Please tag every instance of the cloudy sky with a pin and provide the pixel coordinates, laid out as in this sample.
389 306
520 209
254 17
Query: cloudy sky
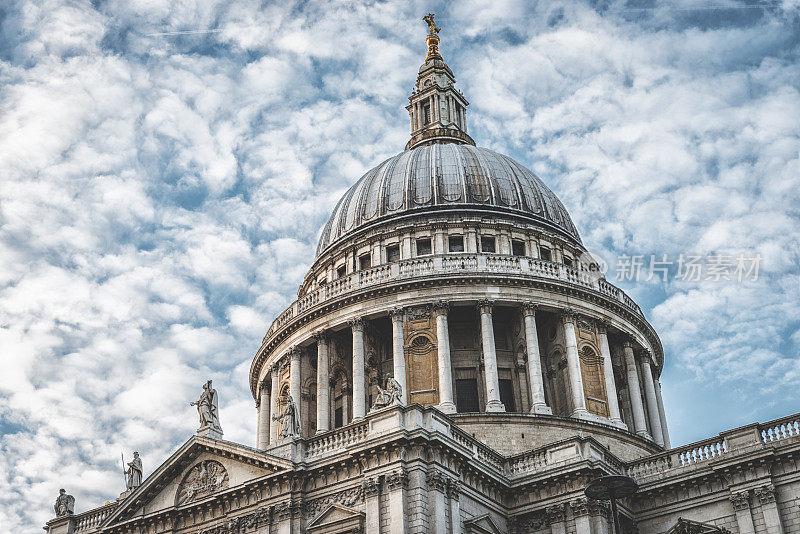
165 168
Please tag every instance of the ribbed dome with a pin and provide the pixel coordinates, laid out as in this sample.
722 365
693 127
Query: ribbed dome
442 176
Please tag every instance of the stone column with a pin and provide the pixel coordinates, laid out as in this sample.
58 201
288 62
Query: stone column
294 376
599 512
556 519
323 383
493 403
453 492
652 403
744 517
634 391
396 483
437 502
440 309
574 367
769 508
273 427
398 351
372 487
608 375
580 511
264 417
359 379
662 415
535 379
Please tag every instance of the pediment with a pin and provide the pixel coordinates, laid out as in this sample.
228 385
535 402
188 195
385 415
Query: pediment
337 518
200 468
687 526
481 525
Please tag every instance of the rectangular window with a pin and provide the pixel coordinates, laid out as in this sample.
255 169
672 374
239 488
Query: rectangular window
517 247
364 261
426 114
341 271
546 254
487 243
424 246
467 396
393 253
338 418
455 243
507 394
322 281
567 261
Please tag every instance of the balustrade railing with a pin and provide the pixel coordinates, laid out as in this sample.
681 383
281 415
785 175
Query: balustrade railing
448 264
336 439
780 429
93 518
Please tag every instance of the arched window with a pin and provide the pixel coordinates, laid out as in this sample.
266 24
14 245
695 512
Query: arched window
594 387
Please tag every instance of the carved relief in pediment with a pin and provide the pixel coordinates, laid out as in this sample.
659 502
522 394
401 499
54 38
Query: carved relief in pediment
203 479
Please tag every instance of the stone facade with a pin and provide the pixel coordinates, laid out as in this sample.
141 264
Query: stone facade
524 375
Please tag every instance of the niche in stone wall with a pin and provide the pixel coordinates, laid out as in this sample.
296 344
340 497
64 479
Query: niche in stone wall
422 370
594 388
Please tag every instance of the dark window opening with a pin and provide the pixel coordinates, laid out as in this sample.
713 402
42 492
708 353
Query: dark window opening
364 262
517 247
341 271
338 418
567 261
546 255
467 395
455 243
393 253
424 247
426 114
507 394
487 243
322 281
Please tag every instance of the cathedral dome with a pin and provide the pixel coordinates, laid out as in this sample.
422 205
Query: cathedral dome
449 176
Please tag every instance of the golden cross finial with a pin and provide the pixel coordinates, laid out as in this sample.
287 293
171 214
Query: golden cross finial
432 27
432 39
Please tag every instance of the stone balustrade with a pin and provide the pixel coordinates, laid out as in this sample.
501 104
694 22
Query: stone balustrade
336 440
697 455
87 521
450 264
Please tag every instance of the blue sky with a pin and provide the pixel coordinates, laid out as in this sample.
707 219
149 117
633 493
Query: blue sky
161 194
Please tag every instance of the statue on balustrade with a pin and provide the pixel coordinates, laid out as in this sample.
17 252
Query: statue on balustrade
289 419
134 472
208 408
65 504
389 394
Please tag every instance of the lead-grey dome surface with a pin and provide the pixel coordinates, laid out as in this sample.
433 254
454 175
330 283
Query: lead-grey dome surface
438 176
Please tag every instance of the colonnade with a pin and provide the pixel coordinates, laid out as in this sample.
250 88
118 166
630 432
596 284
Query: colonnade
635 365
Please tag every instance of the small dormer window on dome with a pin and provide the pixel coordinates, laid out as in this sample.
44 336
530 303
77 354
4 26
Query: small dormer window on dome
438 110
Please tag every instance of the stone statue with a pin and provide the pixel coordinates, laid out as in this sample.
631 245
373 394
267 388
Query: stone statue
389 394
134 472
208 408
65 504
432 27
289 419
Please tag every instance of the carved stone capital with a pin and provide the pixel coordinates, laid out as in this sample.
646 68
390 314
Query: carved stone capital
529 308
453 488
568 315
602 325
441 307
371 486
397 479
597 507
397 314
357 324
765 494
436 481
740 500
321 336
579 506
294 352
485 306
555 514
